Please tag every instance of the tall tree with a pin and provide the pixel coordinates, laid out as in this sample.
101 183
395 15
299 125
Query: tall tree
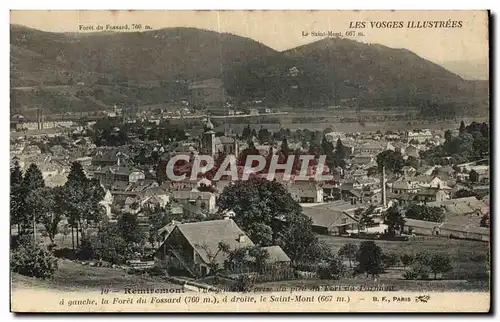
80 201
263 135
285 150
247 132
40 204
314 145
462 129
32 181
392 161
341 153
250 150
447 136
76 173
366 217
270 204
17 200
369 257
328 150
158 217
394 219
33 178
129 229
261 234
50 214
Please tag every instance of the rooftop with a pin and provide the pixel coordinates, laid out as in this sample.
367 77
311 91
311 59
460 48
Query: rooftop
205 237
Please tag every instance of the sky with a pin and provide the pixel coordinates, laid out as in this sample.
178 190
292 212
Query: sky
283 30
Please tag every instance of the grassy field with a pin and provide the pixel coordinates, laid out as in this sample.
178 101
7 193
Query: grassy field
74 276
460 252
382 284
467 274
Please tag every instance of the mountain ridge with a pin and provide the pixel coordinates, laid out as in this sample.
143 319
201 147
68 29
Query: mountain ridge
331 69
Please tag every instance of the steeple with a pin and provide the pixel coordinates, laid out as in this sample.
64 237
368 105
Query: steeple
208 126
208 138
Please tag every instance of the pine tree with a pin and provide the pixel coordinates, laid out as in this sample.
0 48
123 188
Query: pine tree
33 179
247 131
462 128
17 200
285 150
80 201
314 147
326 146
76 173
447 136
16 174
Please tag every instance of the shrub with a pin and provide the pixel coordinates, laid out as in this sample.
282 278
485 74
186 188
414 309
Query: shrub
85 251
479 258
245 283
323 272
332 270
390 259
422 271
407 259
426 263
306 266
424 258
33 260
157 270
439 264
410 275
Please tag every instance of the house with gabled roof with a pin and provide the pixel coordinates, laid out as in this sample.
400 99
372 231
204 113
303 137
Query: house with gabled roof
118 175
194 247
445 229
463 206
333 218
200 200
431 194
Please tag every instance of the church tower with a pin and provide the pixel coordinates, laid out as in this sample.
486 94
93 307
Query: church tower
208 139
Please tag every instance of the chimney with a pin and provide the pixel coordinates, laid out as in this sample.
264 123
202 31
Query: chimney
242 238
229 214
384 194
38 119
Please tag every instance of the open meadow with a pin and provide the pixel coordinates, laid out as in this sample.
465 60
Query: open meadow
73 276
469 258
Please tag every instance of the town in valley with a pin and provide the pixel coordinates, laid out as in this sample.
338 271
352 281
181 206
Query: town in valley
406 206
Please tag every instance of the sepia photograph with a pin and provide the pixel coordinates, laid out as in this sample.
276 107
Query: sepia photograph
250 161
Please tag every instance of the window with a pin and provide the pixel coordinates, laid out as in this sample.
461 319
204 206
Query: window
344 220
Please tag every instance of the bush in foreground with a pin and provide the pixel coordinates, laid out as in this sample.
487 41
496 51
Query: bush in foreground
33 260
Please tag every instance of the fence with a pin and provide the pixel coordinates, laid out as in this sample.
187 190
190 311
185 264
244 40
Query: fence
275 272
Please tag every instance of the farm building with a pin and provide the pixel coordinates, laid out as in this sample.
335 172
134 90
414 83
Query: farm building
429 228
462 206
193 246
334 218
421 227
